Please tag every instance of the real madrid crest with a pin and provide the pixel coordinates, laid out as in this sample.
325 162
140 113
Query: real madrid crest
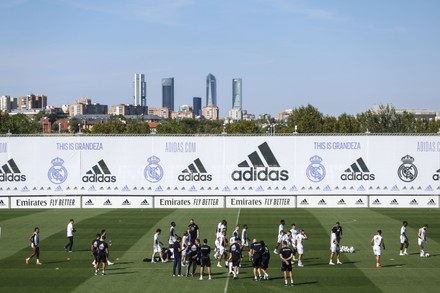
315 171
153 172
57 174
407 171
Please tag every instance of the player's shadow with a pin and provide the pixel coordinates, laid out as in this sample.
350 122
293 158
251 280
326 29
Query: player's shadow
306 283
121 273
58 261
123 263
393 265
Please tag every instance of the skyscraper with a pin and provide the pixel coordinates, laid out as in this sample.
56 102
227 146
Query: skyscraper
168 93
236 94
139 90
211 90
197 106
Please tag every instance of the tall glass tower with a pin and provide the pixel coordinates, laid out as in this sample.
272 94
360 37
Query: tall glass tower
211 90
197 106
236 94
139 90
168 93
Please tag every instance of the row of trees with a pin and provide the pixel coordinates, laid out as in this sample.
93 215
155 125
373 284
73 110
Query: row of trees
304 119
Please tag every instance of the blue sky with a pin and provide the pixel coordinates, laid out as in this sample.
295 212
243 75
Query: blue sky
340 56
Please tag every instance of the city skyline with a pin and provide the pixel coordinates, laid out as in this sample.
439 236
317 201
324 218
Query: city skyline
341 57
168 93
211 90
139 90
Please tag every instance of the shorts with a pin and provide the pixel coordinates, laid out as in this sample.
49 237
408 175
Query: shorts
264 262
334 248
300 249
222 249
245 243
421 242
376 250
205 261
101 258
286 267
403 239
256 260
235 262
280 238
157 248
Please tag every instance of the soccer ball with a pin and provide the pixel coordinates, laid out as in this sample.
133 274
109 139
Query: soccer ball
427 254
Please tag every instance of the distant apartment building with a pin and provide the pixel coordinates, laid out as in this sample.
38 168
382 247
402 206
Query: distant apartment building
128 110
210 112
283 116
32 102
139 90
8 103
211 90
163 112
168 93
235 114
84 106
197 106
185 111
421 114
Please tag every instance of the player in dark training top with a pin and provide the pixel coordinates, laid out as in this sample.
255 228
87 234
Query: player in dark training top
286 255
205 259
193 231
256 250
94 248
265 257
235 256
102 255
192 255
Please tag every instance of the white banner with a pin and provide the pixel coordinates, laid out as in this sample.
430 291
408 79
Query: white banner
261 201
220 165
111 202
49 202
4 202
189 202
404 201
342 201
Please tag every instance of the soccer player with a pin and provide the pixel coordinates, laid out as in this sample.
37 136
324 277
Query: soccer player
422 239
334 248
192 255
294 232
235 256
338 231
157 246
236 233
280 235
300 246
377 242
205 260
221 247
286 255
103 236
193 231
94 248
102 253
70 231
222 225
403 239
184 247
256 250
245 239
177 250
172 238
265 258
35 244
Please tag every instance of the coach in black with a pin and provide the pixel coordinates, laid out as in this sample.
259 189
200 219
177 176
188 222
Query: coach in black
205 259
286 255
256 250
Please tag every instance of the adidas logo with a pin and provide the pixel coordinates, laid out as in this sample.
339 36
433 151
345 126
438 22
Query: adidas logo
195 172
358 171
99 173
436 176
126 203
253 173
394 202
89 203
322 202
432 202
10 172
304 202
2 203
107 203
341 202
145 203
359 202
376 202
414 202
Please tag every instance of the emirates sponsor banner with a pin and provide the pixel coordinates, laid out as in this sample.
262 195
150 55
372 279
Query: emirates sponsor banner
219 165
404 201
110 202
341 201
42 202
261 201
4 202
189 202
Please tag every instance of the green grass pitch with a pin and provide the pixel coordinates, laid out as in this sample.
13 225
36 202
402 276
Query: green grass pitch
131 232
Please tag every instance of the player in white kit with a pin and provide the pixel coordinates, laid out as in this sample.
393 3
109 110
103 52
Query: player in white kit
403 239
300 247
280 236
422 239
294 232
334 247
377 242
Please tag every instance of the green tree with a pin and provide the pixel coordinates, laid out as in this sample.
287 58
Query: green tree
243 127
307 119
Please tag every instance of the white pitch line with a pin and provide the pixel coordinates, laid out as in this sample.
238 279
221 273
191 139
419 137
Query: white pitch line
227 279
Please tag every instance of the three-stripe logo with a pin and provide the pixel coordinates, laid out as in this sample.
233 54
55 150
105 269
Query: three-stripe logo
358 171
99 173
196 171
258 170
10 172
